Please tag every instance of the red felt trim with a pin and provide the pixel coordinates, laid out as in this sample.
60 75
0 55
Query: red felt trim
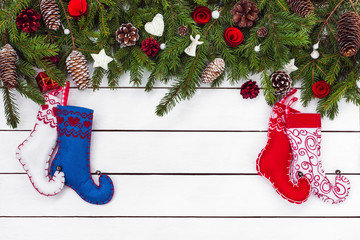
303 120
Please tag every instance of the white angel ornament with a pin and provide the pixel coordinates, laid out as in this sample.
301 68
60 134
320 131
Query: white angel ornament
191 49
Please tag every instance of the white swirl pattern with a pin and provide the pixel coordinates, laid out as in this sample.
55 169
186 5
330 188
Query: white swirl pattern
306 144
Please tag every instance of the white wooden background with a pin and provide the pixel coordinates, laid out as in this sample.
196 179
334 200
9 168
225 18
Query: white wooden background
189 175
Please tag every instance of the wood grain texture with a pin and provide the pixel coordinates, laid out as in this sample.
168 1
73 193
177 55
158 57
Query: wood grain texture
180 229
188 175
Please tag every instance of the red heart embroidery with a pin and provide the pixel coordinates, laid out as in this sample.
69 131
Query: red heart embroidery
77 8
44 107
87 124
73 121
60 120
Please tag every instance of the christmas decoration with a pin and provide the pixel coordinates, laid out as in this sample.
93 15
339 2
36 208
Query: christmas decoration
321 89
233 36
101 59
202 15
289 36
8 58
349 33
274 159
315 53
77 8
290 67
213 70
156 26
301 7
191 49
262 32
304 133
45 83
183 31
245 13
281 82
249 90
215 14
35 152
50 14
74 137
28 20
162 46
77 67
127 35
150 47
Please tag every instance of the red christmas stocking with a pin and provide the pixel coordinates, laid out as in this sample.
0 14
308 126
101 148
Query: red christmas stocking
304 133
275 159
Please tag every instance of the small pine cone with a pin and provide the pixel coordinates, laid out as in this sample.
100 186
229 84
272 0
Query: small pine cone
28 20
127 35
50 13
183 31
281 82
213 70
262 32
8 59
349 33
301 7
77 67
249 90
245 13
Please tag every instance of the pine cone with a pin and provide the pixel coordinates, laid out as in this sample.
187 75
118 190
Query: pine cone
301 7
262 32
245 13
127 35
8 59
213 70
249 90
281 82
183 31
77 67
150 47
50 13
28 20
349 33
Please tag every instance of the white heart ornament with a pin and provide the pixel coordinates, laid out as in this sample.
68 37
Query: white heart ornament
156 26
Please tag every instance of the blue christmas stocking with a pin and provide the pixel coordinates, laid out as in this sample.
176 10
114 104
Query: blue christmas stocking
74 137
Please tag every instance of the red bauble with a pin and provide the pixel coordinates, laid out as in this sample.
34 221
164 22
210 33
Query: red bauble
233 36
150 47
54 59
77 8
45 83
249 90
321 89
28 20
202 15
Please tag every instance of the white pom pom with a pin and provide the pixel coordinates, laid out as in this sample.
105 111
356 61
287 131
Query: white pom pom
162 46
257 48
215 14
315 54
66 31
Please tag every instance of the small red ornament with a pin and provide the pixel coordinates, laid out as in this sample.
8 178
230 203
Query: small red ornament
150 47
233 36
249 90
45 83
321 89
202 15
28 20
54 59
77 8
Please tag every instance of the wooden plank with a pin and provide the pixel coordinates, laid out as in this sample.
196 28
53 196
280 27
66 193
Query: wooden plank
180 229
172 196
209 109
188 152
